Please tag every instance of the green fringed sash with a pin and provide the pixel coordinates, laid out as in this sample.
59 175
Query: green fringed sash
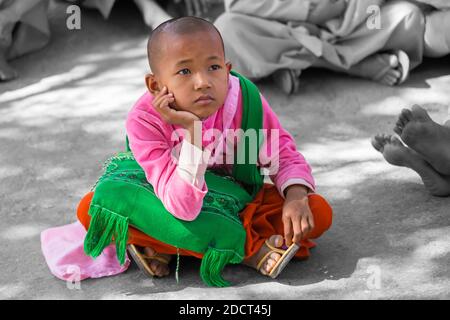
252 118
123 197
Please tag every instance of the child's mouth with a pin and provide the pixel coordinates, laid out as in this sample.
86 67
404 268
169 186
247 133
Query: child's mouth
204 100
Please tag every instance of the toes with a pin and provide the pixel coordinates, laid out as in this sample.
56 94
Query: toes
393 61
389 80
275 256
395 73
391 77
376 144
402 118
395 141
271 262
149 251
159 268
406 116
276 240
379 141
398 130
399 126
385 82
154 265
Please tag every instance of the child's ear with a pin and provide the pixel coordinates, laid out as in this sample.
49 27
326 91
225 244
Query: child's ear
152 83
229 66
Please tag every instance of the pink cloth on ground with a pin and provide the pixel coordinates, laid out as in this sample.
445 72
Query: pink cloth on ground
63 251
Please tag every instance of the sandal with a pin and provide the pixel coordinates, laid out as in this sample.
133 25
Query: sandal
142 260
404 65
286 255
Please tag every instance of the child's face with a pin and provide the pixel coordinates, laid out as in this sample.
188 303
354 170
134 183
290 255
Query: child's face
193 68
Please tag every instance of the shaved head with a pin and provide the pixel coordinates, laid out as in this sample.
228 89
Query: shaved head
183 26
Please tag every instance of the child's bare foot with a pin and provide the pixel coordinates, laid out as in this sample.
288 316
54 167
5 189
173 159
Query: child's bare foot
429 139
397 154
266 267
149 261
160 268
384 68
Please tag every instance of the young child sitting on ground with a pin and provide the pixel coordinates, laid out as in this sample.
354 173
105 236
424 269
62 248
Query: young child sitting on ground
191 92
427 149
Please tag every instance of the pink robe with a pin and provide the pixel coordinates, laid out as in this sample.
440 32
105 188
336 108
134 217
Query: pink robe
158 154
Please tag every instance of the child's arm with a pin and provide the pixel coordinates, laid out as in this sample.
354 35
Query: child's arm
291 174
180 187
287 165
298 220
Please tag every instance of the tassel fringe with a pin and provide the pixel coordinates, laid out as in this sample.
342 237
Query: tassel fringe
105 227
213 263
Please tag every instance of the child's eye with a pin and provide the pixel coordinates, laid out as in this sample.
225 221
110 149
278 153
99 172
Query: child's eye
184 71
215 67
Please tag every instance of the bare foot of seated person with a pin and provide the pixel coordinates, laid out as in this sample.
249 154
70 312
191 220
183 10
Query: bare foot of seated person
398 154
427 149
430 139
390 68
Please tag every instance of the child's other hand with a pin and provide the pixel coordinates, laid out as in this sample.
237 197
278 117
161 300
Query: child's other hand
298 220
163 104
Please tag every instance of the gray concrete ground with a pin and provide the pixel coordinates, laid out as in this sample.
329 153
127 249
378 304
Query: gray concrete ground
65 115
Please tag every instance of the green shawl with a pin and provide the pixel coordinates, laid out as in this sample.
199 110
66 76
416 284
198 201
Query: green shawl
123 197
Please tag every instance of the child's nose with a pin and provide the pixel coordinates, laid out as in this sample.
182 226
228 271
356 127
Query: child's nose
202 81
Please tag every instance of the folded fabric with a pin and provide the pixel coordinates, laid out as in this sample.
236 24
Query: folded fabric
104 6
437 39
31 29
63 251
357 12
438 4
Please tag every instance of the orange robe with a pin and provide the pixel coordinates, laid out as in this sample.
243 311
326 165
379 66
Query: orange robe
261 218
